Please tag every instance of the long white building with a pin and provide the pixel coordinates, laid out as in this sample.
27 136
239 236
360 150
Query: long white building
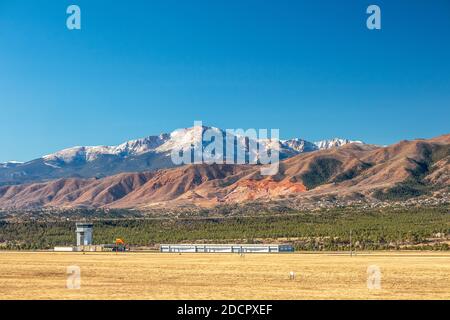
226 248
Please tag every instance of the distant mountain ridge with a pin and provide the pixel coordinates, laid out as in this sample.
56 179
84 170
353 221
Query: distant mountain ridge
352 172
10 164
167 142
91 153
146 154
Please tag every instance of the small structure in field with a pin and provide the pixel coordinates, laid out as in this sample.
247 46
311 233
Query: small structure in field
84 233
226 248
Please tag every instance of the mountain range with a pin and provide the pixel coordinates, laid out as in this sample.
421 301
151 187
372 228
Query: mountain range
146 154
339 170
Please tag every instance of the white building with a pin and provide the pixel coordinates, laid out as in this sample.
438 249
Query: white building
84 234
226 248
64 249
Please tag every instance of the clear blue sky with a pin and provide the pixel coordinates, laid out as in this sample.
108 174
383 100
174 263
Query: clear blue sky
137 68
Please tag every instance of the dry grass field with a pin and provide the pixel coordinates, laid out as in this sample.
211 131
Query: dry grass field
405 275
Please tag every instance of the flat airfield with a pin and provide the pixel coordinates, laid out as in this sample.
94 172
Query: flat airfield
404 275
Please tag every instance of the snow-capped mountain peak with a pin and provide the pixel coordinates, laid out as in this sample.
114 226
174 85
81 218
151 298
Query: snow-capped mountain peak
90 153
150 153
10 164
332 143
299 145
181 139
140 146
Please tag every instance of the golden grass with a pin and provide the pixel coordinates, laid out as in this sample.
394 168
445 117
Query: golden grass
405 275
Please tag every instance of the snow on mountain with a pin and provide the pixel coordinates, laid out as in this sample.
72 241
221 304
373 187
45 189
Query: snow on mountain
10 164
140 146
184 139
201 136
299 145
132 147
332 143
153 153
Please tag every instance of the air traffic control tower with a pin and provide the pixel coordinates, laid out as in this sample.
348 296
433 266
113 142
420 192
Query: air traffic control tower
84 234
